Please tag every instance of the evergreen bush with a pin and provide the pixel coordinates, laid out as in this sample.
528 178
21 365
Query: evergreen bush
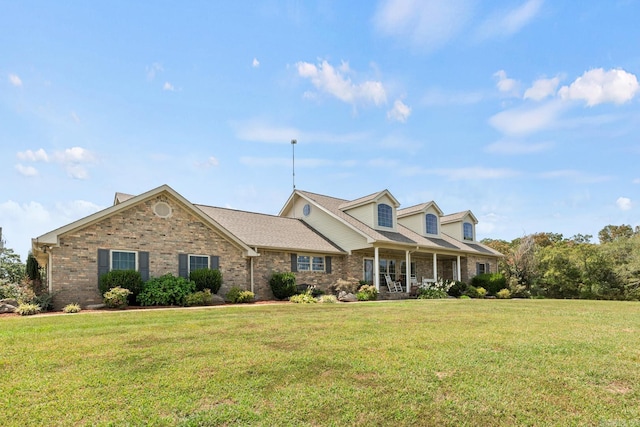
283 285
492 282
126 279
206 278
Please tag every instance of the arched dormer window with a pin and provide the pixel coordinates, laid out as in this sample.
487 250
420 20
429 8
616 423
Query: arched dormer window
467 231
432 224
385 215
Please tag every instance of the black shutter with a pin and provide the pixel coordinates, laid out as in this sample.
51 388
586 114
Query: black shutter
143 265
327 264
477 268
183 265
214 262
103 262
487 268
294 263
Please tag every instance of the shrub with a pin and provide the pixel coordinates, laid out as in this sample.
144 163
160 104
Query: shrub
206 278
199 298
166 290
28 309
471 292
465 297
44 300
238 296
116 297
435 290
283 285
349 285
482 292
492 282
72 308
367 293
126 279
305 298
327 299
504 294
457 289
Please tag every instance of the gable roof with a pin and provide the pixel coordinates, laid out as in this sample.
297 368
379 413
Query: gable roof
422 207
369 199
458 216
268 231
403 236
124 202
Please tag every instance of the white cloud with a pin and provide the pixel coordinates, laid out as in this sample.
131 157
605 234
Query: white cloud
598 86
168 86
523 121
509 22
624 203
284 162
328 79
542 88
208 163
75 117
255 63
74 155
506 85
424 24
574 175
400 112
15 80
459 174
154 69
33 156
636 181
517 147
26 170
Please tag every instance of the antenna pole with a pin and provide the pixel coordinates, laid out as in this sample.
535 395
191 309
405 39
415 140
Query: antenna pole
293 160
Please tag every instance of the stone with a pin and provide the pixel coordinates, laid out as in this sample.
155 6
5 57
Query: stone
95 306
10 301
7 308
347 297
216 300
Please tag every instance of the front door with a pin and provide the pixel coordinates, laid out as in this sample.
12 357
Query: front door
368 270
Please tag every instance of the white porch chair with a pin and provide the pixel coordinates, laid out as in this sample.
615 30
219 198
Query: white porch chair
393 286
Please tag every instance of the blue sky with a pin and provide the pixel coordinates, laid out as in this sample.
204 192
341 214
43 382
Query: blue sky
526 112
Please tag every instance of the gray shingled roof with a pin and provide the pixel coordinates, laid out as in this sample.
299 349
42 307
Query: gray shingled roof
453 217
268 231
412 209
403 235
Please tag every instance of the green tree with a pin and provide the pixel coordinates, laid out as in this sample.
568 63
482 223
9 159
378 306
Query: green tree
11 268
611 233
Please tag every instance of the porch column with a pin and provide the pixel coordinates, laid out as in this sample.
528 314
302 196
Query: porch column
408 270
376 269
458 268
435 267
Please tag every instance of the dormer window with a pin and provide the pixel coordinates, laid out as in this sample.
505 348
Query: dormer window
385 215
432 224
467 231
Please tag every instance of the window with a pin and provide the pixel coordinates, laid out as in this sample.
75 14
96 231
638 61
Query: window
310 263
385 215
198 262
306 210
432 224
121 260
387 266
482 268
403 271
467 231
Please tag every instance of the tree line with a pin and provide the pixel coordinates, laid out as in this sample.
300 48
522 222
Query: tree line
551 266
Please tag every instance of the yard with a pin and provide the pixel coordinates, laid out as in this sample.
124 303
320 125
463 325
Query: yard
415 362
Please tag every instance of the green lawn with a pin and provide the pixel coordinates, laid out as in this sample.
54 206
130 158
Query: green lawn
417 362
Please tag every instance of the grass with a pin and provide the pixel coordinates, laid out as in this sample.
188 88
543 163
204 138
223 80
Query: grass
417 362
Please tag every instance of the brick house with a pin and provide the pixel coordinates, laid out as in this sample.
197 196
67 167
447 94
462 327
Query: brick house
320 238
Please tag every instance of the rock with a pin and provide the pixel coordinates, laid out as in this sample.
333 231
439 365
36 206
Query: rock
7 308
10 301
347 297
216 300
95 306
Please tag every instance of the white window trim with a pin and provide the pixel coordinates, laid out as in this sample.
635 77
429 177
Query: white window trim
199 256
311 257
394 219
111 251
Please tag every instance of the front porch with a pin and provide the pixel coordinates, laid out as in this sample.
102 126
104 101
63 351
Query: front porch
419 266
